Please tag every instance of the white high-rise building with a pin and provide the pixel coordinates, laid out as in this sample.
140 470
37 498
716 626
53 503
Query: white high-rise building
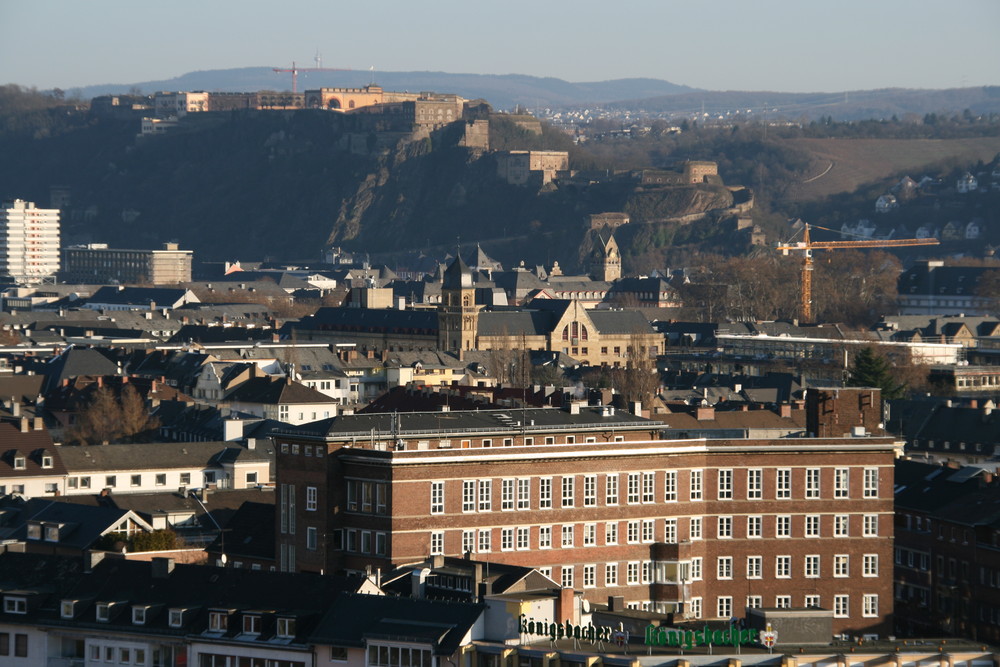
29 241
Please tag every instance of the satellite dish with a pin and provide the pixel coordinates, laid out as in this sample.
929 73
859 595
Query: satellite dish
586 606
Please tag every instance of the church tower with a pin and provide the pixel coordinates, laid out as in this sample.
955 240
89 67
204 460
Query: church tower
458 316
606 260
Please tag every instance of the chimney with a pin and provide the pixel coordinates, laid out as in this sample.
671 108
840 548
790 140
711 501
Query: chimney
232 430
785 410
418 583
24 425
973 403
15 407
565 608
91 559
704 413
437 561
616 603
39 424
161 567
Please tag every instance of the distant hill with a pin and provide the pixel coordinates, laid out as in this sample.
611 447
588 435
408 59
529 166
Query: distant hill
502 91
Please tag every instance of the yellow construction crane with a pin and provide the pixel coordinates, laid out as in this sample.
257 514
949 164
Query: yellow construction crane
806 246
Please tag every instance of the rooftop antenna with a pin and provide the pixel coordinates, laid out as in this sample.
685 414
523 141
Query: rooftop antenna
372 70
318 59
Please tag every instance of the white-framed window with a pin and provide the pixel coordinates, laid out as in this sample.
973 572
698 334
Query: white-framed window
469 495
755 526
755 483
437 542
568 490
841 606
102 612
16 605
725 527
694 605
648 530
589 576
782 567
632 573
311 538
841 565
841 525
589 534
755 601
468 541
524 493
670 486
632 534
545 493
869 605
611 532
507 495
218 621
648 487
611 489
437 497
632 492
567 536
545 571
286 627
611 574
589 490
176 618
812 483
725 484
545 537
311 498
783 526
783 483
696 568
523 538
755 567
841 482
66 608
670 531
871 483
694 528
811 566
869 565
870 525
566 576
696 489
724 567
506 539
485 495
783 601
812 601
485 540
251 624
812 528
724 606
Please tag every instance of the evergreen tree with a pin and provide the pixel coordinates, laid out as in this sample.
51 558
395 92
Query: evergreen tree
873 370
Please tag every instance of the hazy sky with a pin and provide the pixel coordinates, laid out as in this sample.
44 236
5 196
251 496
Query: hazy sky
780 45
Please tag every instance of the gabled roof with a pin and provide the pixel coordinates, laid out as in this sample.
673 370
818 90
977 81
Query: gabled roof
276 391
157 456
80 525
139 296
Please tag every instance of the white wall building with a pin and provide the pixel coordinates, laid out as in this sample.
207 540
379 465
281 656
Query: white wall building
29 241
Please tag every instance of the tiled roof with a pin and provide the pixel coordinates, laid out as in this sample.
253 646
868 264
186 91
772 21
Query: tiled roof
155 456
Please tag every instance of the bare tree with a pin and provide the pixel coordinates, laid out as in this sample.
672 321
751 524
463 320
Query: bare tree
135 417
100 422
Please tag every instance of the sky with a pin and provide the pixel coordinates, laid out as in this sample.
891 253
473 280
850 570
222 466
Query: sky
765 45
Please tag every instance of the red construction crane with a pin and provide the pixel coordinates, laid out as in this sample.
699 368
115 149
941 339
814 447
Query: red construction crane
318 68
807 246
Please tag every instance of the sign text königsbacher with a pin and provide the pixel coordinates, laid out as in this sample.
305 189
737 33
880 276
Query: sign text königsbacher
663 636
568 630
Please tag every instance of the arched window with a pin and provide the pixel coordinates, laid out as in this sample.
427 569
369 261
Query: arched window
565 335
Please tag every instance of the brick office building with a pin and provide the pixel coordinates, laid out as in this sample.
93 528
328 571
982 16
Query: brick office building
599 502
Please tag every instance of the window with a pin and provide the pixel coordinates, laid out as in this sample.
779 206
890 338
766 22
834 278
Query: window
176 618
670 531
394 656
755 483
485 495
869 565
110 481
218 621
311 495
841 606
589 534
632 573
632 534
812 525
783 483
567 536
783 601
136 480
724 606
161 479
589 576
611 532
695 607
755 567
524 494
66 609
841 565
755 601
725 484
545 493
311 538
186 476
611 489
632 494
870 525
506 539
566 576
724 567
648 530
545 537
696 568
812 601
20 462
811 566
46 461
783 526
251 624
725 527
523 538
755 525
286 627
782 567
648 484
611 574
871 483
138 615
437 542
468 541
13 605
869 605
841 482
670 486
812 483
589 490
694 528
338 654
102 611
85 482
696 484
841 525
507 495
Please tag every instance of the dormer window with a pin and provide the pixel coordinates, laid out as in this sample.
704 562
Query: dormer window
13 605
51 533
138 615
66 608
176 618
286 628
251 624
103 612
20 462
218 621
34 531
46 461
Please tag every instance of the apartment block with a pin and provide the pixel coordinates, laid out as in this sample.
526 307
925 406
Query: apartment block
29 241
97 263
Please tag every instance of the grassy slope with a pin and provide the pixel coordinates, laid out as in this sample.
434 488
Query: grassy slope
860 161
